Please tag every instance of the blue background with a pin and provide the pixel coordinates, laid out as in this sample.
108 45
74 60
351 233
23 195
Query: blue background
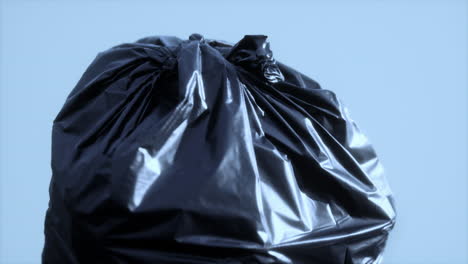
400 67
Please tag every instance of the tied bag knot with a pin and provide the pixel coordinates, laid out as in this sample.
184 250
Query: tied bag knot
253 53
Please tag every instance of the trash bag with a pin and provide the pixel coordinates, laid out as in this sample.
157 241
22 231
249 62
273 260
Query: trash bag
203 151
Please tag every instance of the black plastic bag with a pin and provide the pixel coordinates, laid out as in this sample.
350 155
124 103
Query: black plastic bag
199 151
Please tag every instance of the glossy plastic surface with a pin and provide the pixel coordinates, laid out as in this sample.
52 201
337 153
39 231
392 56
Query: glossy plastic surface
201 151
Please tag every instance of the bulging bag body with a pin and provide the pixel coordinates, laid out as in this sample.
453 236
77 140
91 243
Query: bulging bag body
200 151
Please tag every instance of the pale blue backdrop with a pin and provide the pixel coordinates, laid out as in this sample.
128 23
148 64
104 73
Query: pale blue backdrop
400 67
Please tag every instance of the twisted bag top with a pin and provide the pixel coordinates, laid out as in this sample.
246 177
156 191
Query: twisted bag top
199 151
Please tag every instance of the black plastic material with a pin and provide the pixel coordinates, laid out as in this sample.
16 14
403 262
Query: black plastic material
200 151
